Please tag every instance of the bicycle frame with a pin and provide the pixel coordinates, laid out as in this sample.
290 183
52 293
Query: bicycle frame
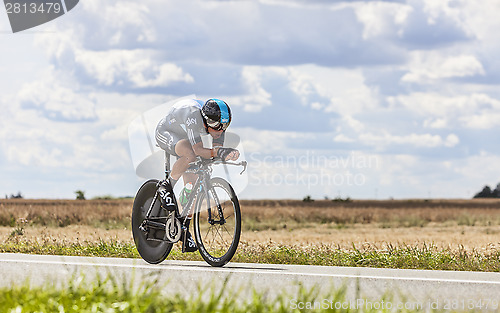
203 170
200 185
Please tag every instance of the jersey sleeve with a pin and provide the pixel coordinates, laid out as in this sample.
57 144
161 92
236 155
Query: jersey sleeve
194 127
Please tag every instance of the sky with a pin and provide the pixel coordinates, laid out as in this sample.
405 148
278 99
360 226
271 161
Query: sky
359 99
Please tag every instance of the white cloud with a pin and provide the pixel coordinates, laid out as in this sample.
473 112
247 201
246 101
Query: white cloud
302 84
397 169
381 19
116 67
478 21
343 138
118 120
477 168
35 155
275 140
437 9
343 90
257 97
435 123
353 123
317 106
451 140
416 140
484 120
56 100
472 111
53 125
125 19
426 67
234 32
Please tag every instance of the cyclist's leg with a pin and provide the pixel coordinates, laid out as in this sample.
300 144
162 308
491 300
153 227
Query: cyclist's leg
175 144
167 140
186 155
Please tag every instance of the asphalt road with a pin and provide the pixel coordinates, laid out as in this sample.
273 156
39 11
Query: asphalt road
428 288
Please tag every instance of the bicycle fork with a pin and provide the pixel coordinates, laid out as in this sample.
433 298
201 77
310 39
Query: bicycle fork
211 221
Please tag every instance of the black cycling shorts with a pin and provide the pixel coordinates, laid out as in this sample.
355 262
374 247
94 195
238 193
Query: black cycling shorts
167 140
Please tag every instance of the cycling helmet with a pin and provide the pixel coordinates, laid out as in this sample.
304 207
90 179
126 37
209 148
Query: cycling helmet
217 114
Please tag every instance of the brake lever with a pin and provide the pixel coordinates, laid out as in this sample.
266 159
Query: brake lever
244 164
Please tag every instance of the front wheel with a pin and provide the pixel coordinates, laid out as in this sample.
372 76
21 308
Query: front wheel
150 245
217 223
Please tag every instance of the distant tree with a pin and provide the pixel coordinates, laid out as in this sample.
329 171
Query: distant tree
488 193
104 197
308 199
339 199
18 196
80 195
496 192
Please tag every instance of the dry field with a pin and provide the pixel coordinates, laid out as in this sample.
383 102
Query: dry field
454 224
469 224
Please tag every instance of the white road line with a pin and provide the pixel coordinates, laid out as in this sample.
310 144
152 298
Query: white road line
251 271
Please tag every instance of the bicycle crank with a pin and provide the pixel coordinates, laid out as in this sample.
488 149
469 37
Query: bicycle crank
173 228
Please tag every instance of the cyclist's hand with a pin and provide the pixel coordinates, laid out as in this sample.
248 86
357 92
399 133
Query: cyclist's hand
233 156
227 154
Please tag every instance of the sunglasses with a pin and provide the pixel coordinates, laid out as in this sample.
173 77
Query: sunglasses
217 125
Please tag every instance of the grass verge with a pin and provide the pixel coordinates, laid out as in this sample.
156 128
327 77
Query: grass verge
427 257
109 295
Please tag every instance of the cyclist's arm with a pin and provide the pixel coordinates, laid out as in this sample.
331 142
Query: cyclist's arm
204 152
194 129
228 154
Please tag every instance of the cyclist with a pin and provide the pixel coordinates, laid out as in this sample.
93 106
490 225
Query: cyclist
194 128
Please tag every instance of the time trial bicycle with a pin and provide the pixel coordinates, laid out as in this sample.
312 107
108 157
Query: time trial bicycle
216 215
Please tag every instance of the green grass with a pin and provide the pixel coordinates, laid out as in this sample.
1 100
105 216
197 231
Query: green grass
405 257
111 248
110 295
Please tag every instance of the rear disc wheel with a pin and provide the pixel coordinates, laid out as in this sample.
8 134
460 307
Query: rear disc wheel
150 245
